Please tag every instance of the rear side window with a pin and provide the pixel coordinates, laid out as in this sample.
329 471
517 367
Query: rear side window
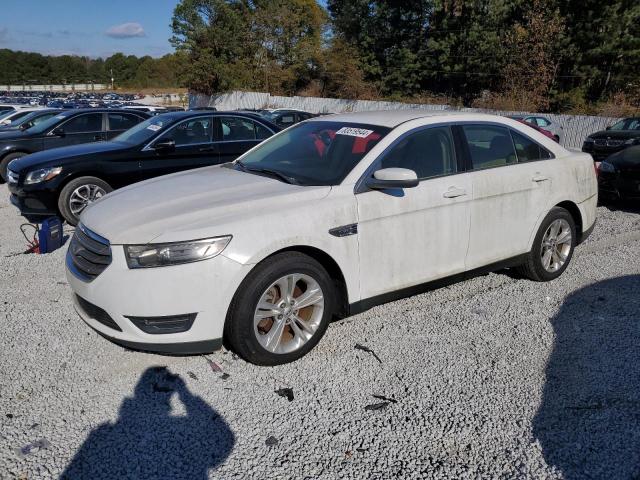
91 122
489 146
286 120
238 129
528 150
122 121
428 152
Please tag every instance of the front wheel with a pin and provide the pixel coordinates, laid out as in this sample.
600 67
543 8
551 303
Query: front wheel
281 310
78 194
552 248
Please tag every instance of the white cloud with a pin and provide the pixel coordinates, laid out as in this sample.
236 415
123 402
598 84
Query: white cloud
126 30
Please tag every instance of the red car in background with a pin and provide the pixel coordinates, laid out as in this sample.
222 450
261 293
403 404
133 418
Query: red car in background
546 133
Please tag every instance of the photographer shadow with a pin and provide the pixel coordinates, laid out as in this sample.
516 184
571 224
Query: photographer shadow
150 441
588 422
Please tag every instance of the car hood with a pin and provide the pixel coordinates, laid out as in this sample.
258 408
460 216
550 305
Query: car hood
54 155
617 134
194 204
626 160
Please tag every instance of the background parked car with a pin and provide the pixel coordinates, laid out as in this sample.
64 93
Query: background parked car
66 180
544 123
619 136
31 119
67 128
284 117
619 174
16 115
546 133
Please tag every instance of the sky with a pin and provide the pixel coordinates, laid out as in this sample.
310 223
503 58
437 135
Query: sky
95 28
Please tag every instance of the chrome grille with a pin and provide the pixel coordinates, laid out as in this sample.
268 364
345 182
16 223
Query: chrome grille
88 255
12 177
608 142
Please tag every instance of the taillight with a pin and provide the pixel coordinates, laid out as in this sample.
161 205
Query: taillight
596 167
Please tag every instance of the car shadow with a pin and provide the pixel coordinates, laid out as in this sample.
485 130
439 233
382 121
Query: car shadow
150 440
588 422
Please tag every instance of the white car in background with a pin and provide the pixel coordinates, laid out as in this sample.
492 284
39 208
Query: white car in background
323 220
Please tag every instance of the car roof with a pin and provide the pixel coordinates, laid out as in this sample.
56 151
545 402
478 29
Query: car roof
393 118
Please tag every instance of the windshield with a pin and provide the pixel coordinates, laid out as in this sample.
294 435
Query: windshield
48 124
315 153
144 130
627 124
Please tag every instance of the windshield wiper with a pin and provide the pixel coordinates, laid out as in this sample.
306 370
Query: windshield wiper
267 171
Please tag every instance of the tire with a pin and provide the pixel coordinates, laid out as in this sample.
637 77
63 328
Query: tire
247 327
69 197
544 268
4 164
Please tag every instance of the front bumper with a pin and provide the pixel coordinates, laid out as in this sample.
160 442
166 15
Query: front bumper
36 202
205 288
617 185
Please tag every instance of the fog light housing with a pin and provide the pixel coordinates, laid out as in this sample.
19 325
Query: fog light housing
163 325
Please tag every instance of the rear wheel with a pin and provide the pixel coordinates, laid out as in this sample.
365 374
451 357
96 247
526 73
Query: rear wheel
78 194
281 310
5 163
552 248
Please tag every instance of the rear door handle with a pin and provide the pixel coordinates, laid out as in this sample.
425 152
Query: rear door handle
207 149
454 192
98 137
540 178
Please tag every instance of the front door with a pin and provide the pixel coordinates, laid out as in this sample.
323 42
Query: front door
193 149
85 128
412 236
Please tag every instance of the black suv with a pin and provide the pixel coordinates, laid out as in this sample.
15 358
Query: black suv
67 128
65 180
619 136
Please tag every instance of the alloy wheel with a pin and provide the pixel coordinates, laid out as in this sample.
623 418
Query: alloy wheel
83 196
288 313
556 245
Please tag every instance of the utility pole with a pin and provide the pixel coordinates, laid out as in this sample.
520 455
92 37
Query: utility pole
112 79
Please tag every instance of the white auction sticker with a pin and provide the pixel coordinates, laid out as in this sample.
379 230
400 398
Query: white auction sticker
154 128
354 132
60 117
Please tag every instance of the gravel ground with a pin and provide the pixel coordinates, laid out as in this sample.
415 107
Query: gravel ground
496 377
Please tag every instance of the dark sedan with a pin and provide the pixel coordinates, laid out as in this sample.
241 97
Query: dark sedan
619 175
66 180
619 136
67 128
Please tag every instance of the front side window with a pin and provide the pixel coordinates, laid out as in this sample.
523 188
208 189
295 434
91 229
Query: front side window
315 152
91 122
528 150
428 152
489 146
195 131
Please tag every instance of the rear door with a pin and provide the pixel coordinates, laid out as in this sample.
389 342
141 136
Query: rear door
235 135
193 148
83 128
119 122
510 183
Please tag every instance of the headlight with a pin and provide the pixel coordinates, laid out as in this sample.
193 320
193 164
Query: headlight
631 141
163 254
607 167
42 175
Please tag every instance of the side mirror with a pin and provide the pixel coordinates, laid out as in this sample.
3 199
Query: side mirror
58 132
165 146
393 178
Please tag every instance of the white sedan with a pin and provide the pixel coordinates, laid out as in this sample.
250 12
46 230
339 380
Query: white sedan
323 220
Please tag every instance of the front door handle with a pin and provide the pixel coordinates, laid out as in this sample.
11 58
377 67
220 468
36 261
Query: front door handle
454 192
540 178
98 137
207 149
